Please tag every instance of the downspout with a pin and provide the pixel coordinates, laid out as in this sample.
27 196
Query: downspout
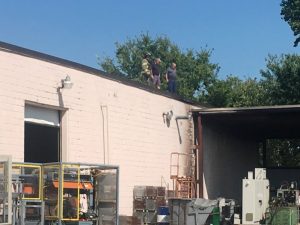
107 136
105 141
181 118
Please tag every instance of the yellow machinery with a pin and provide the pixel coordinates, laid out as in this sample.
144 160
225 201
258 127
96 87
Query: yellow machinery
60 193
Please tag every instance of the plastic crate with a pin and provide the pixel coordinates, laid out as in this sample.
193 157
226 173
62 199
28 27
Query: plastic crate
151 191
139 191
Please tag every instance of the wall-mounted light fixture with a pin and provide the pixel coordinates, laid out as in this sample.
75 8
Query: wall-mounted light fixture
67 83
168 115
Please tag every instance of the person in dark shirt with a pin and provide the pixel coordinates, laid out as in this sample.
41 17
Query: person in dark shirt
171 78
156 72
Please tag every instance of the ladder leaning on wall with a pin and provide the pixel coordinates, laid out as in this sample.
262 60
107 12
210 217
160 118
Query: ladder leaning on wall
182 171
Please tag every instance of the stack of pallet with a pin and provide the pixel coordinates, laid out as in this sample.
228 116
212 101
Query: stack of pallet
146 200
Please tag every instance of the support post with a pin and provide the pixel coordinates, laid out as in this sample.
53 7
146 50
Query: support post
200 157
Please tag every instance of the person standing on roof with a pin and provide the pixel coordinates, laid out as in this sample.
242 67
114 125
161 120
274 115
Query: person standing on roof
171 78
146 69
156 72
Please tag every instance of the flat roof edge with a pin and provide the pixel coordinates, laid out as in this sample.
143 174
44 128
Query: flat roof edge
6 47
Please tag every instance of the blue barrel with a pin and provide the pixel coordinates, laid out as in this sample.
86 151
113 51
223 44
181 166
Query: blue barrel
163 215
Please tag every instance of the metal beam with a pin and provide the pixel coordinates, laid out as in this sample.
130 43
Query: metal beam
200 157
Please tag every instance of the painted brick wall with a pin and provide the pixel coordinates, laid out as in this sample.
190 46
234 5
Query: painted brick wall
105 121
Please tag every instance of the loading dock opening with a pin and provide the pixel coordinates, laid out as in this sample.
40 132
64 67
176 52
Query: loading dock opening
41 135
229 140
41 143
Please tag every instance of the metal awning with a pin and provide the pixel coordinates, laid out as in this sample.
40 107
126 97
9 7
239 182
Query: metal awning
256 109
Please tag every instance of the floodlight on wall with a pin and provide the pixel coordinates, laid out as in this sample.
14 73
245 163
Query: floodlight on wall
67 83
167 116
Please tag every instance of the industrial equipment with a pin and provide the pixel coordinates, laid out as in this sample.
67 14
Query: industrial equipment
288 194
184 211
58 193
5 190
256 193
229 211
199 211
28 206
284 207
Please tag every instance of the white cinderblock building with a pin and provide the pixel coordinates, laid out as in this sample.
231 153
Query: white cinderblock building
101 119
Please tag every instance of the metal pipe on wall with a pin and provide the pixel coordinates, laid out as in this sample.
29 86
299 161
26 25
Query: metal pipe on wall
181 118
105 140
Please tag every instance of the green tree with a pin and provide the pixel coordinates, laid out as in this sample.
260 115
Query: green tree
194 70
283 152
235 92
279 85
281 80
291 14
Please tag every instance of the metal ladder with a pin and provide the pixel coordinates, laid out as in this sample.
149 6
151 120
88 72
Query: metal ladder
182 170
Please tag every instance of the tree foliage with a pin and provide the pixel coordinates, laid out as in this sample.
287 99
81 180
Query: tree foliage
197 76
194 70
279 85
291 14
281 80
283 152
234 92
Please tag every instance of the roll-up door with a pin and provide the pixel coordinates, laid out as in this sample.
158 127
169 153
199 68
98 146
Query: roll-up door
41 115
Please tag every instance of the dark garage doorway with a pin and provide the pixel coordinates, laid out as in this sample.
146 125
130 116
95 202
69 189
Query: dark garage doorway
237 140
41 143
42 135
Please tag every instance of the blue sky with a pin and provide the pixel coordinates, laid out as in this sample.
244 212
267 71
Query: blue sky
242 33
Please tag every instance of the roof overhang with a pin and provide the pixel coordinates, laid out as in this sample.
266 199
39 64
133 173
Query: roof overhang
260 122
249 110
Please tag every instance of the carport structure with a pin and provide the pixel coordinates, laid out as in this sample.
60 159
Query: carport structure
232 141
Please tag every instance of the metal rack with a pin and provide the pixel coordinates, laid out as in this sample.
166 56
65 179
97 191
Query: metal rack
5 190
58 193
81 194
